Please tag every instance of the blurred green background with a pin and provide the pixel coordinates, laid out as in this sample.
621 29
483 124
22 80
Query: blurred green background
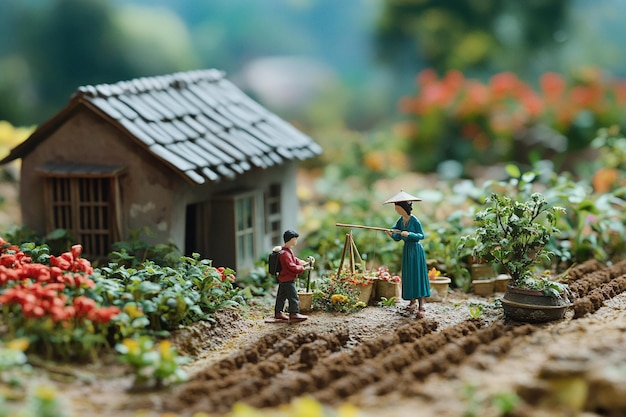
320 62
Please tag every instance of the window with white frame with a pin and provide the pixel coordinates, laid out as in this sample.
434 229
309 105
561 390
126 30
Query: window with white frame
273 214
244 221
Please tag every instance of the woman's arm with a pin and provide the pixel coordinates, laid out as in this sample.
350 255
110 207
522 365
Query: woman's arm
415 232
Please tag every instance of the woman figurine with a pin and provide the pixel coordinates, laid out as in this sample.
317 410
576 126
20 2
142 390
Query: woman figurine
415 285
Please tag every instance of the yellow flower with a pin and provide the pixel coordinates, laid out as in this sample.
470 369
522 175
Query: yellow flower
244 410
165 349
332 207
307 407
45 393
433 273
132 310
338 298
20 344
132 345
347 410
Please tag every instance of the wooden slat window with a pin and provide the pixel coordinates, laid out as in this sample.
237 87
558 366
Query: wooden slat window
84 200
83 206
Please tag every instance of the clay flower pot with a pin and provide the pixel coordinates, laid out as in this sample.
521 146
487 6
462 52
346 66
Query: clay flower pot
387 289
482 271
364 292
501 283
532 306
484 287
438 288
306 301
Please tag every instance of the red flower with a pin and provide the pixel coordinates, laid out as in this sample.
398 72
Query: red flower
76 251
426 77
60 262
84 305
9 260
553 86
70 261
103 315
37 272
8 274
505 84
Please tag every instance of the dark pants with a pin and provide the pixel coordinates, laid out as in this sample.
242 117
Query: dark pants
287 292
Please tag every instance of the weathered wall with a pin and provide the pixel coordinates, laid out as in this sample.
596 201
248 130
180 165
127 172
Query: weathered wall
148 187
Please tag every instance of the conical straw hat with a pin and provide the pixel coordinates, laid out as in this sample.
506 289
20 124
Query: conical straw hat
402 196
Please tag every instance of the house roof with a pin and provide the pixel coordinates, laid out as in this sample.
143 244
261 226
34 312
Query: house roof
197 122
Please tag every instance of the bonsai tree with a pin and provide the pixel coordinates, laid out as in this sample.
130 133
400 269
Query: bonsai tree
514 234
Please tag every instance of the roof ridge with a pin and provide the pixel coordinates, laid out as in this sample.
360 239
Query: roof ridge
152 83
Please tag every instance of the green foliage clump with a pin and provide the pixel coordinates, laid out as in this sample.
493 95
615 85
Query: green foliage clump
514 234
162 298
154 365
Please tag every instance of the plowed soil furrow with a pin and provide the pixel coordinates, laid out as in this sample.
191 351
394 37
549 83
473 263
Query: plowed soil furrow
333 366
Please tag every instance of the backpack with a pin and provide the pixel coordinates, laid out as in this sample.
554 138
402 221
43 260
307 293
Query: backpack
273 263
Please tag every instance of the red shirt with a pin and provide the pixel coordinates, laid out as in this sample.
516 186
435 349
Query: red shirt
290 266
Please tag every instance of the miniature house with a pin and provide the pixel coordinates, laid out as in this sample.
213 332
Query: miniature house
188 156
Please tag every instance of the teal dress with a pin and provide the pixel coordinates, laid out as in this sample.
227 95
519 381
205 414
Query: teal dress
414 269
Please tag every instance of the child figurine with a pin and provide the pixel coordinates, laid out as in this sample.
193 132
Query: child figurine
415 285
290 268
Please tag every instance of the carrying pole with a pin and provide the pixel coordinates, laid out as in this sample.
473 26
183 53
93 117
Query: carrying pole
358 226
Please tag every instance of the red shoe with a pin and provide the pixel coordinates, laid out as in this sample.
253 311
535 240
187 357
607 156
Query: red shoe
297 317
281 316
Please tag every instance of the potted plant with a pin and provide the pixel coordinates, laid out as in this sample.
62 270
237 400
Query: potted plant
438 285
305 295
362 283
387 285
514 235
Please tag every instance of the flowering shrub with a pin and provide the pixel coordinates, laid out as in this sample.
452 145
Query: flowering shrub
336 295
489 116
69 310
48 303
358 277
384 274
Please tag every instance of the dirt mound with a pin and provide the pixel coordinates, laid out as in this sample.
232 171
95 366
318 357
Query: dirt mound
334 366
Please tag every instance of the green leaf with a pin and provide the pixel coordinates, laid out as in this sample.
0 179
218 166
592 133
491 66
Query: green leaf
140 322
147 287
513 171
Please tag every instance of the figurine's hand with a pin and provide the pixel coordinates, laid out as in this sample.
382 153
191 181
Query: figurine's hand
404 233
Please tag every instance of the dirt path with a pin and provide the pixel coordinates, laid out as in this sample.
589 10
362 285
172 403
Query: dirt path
387 363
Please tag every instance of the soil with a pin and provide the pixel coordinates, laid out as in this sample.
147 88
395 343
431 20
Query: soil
387 362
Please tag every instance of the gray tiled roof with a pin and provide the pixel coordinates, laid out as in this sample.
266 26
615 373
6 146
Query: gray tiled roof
199 123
